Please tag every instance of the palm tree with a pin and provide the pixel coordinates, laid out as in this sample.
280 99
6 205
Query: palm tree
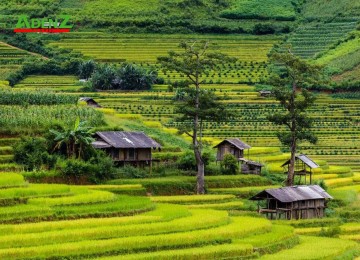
75 139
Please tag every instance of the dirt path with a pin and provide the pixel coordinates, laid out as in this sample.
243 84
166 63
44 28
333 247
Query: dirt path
32 53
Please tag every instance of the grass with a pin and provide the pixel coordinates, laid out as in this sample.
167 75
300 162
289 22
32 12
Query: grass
11 180
205 252
240 227
192 199
194 222
326 248
122 206
244 192
251 9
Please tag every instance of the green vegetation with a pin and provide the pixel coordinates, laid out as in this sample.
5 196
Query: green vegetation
39 98
251 9
30 119
153 214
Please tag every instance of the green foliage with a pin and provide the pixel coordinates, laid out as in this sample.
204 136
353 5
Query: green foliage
37 119
252 9
86 69
97 169
11 180
293 74
187 161
10 97
229 164
131 172
132 77
32 154
330 232
127 77
77 139
326 248
198 105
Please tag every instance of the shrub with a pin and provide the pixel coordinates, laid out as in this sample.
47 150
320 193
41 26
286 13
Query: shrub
229 164
127 77
261 29
131 77
187 161
131 172
75 168
32 154
86 68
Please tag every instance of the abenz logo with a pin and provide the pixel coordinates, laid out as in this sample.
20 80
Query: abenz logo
43 25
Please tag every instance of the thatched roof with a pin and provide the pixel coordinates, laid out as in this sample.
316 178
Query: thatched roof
294 193
236 142
119 139
305 159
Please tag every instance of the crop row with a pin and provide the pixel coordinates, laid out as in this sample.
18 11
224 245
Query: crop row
240 227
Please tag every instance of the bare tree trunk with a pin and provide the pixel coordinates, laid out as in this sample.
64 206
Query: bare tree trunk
291 173
200 178
291 170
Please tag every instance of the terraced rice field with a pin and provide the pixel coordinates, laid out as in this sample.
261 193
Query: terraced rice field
336 120
10 59
251 53
50 83
311 39
60 221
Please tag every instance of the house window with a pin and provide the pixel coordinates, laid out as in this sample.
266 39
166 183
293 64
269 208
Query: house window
131 153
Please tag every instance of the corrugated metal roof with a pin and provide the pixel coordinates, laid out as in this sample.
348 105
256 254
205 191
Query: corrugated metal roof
85 99
294 193
236 142
250 162
119 139
304 159
100 144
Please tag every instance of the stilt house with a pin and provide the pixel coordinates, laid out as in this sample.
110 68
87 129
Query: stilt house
296 202
134 148
237 148
233 146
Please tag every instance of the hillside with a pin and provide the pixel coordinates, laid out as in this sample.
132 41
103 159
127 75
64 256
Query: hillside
60 199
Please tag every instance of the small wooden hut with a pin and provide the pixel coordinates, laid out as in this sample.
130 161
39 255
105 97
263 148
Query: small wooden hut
233 146
303 166
296 202
90 101
250 167
265 93
134 148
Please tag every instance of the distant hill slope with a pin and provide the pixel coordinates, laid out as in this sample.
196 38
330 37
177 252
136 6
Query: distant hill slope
322 30
165 16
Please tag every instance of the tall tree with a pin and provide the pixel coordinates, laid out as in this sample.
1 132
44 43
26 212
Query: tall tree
290 81
197 105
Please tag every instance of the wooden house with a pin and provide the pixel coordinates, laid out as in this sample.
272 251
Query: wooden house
250 167
296 202
265 93
90 101
134 148
233 146
303 166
